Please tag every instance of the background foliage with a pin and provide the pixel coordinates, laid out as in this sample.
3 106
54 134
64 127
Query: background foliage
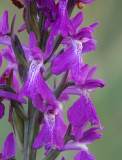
108 57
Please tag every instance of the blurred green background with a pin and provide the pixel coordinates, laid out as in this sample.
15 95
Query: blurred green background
108 57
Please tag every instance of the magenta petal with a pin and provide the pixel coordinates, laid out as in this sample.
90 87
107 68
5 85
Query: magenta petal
0 59
5 40
85 70
77 20
49 46
64 98
84 155
82 111
90 137
93 129
94 24
64 61
38 103
91 72
35 84
22 28
2 110
89 46
43 138
93 83
9 55
9 148
32 40
12 96
4 26
15 82
86 1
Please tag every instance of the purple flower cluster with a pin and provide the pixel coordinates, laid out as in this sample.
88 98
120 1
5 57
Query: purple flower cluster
35 63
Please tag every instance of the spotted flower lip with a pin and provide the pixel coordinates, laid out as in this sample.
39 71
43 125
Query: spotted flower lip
78 44
54 128
9 147
35 83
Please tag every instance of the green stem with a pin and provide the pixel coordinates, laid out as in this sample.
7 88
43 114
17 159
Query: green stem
31 130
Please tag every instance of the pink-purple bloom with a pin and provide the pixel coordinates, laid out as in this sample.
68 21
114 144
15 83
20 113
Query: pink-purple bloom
53 129
44 124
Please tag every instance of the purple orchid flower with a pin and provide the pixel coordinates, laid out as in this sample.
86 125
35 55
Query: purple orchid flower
9 148
4 26
82 111
81 139
53 129
32 51
35 84
86 84
9 56
62 22
78 44
49 8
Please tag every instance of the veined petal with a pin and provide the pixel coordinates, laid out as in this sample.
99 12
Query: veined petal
2 110
9 148
84 155
82 111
